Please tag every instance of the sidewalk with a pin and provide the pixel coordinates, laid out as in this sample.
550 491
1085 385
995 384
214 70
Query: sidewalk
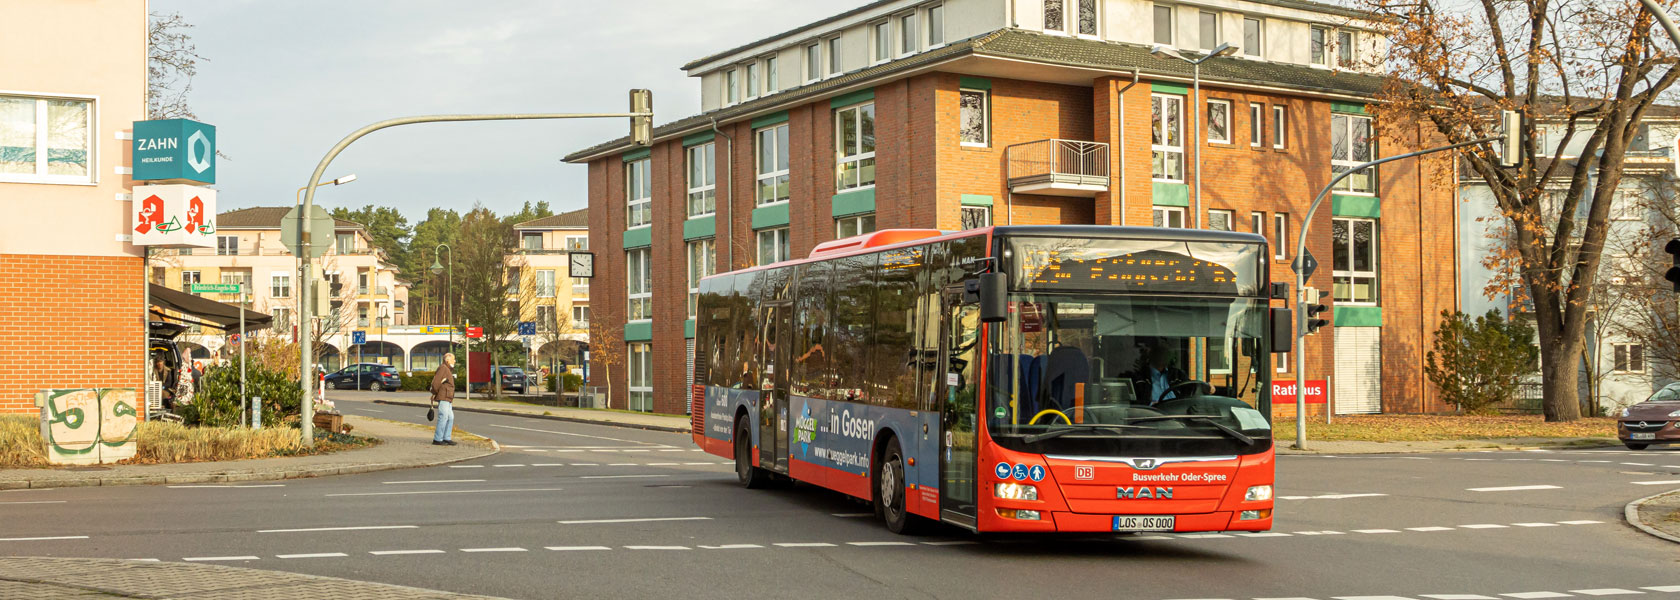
677 424
1658 515
403 446
30 577
1466 445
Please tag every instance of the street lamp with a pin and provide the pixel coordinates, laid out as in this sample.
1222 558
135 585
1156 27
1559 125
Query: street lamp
340 181
437 269
1161 51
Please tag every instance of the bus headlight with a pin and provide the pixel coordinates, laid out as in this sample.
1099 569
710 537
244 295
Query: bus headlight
1024 515
1258 493
1015 491
1255 515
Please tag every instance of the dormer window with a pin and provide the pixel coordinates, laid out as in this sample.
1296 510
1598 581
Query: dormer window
772 79
1208 28
1055 19
1163 24
835 65
813 62
1254 32
936 25
907 34
1345 54
731 87
752 80
883 41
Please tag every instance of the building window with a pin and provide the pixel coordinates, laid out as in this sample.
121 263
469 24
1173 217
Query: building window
1280 236
752 80
813 62
1167 137
702 180
702 262
641 377
976 126
46 139
1354 262
282 319
531 241
580 317
907 34
638 194
854 139
1163 24
1087 17
188 278
547 319
1257 223
1345 50
1054 18
1169 216
936 25
1253 36
577 243
883 41
1282 362
772 152
836 60
239 278
361 315
362 281
975 217
1350 146
1256 123
731 87
1630 358
772 79
1280 132
280 286
1320 37
513 279
1623 207
1219 121
1208 29
640 279
545 283
1221 220
845 227
227 245
772 245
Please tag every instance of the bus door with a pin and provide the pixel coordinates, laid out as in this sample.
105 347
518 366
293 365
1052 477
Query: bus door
777 320
959 361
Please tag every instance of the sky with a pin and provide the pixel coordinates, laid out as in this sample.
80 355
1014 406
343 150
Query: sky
284 81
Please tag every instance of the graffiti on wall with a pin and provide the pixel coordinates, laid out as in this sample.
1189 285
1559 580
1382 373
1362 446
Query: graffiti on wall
88 426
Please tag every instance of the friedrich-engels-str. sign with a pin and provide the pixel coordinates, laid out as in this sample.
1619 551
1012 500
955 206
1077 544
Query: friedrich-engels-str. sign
174 149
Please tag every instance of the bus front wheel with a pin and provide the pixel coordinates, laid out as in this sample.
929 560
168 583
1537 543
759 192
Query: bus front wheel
751 477
889 490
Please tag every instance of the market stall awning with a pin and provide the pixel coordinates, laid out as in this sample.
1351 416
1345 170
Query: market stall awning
204 311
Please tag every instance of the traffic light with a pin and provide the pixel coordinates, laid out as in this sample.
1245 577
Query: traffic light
1318 306
641 127
1673 273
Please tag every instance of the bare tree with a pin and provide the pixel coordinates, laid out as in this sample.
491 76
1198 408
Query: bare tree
1590 65
171 61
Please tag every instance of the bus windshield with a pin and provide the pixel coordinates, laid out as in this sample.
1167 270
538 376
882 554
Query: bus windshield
1130 375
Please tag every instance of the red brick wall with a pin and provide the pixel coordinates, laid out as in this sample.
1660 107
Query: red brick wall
69 322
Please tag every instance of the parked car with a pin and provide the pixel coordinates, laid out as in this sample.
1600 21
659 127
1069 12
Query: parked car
366 376
1654 421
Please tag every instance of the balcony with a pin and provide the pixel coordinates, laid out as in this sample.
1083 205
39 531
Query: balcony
1057 167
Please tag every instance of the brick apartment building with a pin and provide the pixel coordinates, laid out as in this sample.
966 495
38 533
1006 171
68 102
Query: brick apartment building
72 287
962 113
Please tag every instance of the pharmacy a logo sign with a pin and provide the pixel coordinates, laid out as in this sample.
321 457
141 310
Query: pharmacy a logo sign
174 149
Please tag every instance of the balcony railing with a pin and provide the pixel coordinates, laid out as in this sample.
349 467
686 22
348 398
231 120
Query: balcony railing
1058 167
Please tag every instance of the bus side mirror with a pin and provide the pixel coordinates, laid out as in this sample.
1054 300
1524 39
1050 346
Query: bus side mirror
1283 333
994 305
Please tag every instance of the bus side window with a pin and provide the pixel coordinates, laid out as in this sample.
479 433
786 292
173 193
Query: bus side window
851 330
929 315
811 310
892 356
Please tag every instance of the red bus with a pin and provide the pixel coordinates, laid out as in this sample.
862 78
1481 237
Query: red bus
1011 378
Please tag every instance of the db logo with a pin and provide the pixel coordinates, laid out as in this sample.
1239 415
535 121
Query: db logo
1085 472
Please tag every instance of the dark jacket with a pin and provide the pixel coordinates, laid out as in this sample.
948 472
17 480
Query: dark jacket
443 384
1144 387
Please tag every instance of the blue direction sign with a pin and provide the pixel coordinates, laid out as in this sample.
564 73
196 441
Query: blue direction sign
358 337
174 149
527 328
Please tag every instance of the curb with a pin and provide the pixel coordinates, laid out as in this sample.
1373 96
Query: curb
305 473
1631 513
1286 448
510 413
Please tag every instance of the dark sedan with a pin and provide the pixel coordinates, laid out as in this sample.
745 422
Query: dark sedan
366 376
1654 421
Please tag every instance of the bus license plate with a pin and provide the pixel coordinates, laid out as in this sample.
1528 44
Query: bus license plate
1124 523
1644 436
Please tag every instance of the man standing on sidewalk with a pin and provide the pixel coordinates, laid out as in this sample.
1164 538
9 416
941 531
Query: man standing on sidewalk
443 395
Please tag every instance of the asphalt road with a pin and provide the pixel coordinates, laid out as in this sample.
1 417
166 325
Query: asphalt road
572 510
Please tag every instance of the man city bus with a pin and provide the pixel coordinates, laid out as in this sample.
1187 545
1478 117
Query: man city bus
1011 378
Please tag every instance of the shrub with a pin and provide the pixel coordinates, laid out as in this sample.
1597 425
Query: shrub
217 402
420 381
1477 364
571 381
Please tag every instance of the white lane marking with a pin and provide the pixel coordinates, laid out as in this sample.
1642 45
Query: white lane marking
635 450
142 560
1515 488
672 450
620 476
210 558
1483 526
1429 529
361 528
664 464
507 549
730 547
37 502
1639 464
572 548
1202 536
548 464
1264 534
1593 461
1553 460
586 464
1294 598
1662 588
1535 595
1457 597
851 515
1605 592
656 548
315 555
1663 482
397 552
950 543
466 466
504 466
1375 531
1581 522
595 437
1372 598
1330 496
1535 524
444 492
805 545
265 485
434 481
1479 459
36 539
623 465
698 463
372 410
879 544
1150 537
641 520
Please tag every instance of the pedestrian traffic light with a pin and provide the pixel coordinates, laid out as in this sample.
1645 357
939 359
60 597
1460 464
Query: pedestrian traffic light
1673 273
1317 306
641 126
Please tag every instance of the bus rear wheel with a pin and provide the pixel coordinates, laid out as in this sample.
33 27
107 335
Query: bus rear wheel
889 491
751 477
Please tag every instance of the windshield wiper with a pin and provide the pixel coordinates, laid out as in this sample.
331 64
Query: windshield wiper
1209 419
1066 429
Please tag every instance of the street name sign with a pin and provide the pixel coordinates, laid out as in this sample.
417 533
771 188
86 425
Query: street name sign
174 149
214 288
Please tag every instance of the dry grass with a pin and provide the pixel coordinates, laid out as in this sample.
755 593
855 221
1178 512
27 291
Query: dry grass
1417 428
161 442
